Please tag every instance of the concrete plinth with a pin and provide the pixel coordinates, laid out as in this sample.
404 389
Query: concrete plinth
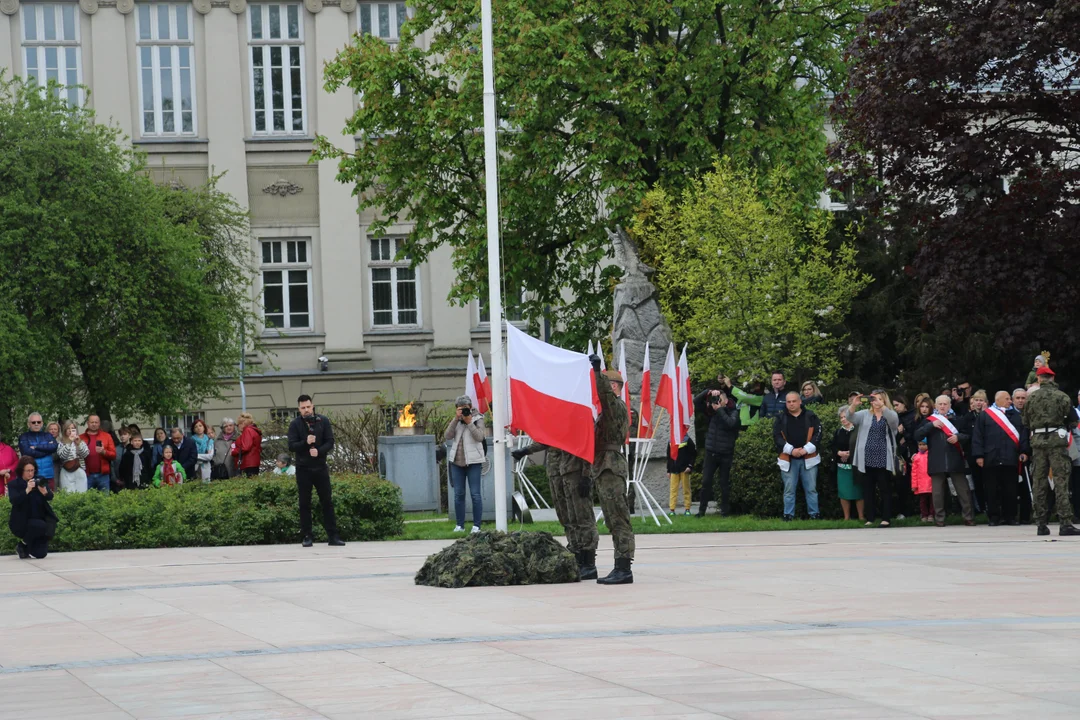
408 461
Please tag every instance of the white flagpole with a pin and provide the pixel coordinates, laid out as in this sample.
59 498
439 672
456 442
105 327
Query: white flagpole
491 173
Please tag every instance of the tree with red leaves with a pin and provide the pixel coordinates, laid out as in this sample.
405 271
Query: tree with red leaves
960 131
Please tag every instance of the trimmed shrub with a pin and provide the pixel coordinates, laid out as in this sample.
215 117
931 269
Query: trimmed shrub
255 511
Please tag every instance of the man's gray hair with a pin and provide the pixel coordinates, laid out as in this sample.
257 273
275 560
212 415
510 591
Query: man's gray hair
34 414
227 421
463 401
843 411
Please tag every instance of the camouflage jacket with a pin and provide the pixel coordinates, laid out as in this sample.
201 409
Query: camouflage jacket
553 460
612 428
1048 408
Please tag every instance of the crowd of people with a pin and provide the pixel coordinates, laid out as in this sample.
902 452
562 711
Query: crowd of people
56 457
1012 458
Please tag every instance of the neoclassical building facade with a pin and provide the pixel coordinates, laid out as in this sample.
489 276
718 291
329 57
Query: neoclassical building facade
212 87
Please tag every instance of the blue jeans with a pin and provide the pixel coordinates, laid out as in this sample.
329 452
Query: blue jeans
98 481
458 476
791 478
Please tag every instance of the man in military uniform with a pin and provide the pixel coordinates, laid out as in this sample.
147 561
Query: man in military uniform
609 471
571 492
1048 413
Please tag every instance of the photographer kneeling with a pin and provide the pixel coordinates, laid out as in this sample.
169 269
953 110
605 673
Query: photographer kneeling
466 456
32 519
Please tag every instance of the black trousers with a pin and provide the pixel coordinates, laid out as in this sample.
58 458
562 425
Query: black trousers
249 472
882 480
319 478
1000 486
36 538
1074 489
1023 491
714 462
979 492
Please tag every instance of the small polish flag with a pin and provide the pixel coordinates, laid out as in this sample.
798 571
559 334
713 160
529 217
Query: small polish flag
644 428
625 384
485 383
473 386
686 409
667 397
553 394
590 350
600 352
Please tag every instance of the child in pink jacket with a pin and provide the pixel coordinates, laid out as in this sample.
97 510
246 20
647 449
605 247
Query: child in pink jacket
8 460
921 484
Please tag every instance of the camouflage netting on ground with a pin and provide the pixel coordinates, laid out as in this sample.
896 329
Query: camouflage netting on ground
495 558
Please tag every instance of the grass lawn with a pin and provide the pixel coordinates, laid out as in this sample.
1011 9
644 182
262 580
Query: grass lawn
680 524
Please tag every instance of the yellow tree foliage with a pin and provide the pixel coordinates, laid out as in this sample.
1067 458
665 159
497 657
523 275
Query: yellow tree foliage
746 275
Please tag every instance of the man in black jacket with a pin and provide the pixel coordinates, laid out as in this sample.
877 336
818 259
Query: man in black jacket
797 434
184 451
772 404
312 438
719 446
999 444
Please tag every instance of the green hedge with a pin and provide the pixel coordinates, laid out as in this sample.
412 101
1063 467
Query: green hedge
256 511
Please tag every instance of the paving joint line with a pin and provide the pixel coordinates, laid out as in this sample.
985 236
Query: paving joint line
536 637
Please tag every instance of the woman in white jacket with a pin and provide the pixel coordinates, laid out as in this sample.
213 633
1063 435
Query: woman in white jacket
72 453
466 459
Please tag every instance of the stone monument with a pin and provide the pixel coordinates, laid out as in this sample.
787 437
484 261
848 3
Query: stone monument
637 320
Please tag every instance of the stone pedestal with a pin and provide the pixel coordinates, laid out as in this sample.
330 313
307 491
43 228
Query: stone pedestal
409 462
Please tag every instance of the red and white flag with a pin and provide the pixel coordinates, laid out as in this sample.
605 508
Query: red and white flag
625 385
485 383
590 350
600 353
686 408
474 387
553 394
667 397
644 427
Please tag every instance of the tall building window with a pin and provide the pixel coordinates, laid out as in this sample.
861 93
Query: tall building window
286 281
382 19
166 69
395 298
51 46
276 48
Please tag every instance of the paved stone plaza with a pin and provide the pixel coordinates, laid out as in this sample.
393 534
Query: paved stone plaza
928 623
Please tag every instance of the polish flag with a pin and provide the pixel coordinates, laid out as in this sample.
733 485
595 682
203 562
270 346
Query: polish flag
553 394
474 388
484 381
600 352
590 350
667 397
686 408
644 428
625 384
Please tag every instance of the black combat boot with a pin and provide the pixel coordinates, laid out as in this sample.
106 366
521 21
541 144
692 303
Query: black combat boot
20 547
1068 530
621 575
1043 530
587 564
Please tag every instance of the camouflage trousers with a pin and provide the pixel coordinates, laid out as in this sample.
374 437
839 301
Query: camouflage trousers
1054 459
612 489
575 513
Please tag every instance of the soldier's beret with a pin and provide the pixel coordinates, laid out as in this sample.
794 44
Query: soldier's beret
1045 370
613 376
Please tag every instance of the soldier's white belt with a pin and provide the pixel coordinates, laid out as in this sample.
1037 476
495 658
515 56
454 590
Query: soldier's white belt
1062 432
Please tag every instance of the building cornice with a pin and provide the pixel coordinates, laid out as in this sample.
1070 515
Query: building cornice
124 7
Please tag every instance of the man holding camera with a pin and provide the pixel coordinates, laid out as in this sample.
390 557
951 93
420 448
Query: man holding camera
312 438
719 445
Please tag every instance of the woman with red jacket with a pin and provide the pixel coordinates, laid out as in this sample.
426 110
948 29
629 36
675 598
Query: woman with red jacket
8 460
248 447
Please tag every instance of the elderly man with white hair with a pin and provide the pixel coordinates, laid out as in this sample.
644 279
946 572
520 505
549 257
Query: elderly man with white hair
999 444
946 459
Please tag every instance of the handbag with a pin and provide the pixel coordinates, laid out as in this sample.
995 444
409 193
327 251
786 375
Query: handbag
71 465
218 471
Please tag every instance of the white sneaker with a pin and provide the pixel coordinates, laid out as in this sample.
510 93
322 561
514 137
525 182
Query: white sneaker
459 529
475 528
900 516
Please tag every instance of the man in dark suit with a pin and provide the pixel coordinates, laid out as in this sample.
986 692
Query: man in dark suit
999 444
184 451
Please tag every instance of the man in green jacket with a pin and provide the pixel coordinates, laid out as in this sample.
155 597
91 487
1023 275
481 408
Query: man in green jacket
1049 415
749 403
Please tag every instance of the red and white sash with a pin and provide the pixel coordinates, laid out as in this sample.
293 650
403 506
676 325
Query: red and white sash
947 428
999 417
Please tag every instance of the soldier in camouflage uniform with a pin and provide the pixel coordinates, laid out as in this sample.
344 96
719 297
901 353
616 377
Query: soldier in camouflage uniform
609 471
1048 413
567 479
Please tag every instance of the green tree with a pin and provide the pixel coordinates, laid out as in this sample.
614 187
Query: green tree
746 275
600 100
118 295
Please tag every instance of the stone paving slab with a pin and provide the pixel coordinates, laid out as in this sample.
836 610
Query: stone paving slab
899 623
